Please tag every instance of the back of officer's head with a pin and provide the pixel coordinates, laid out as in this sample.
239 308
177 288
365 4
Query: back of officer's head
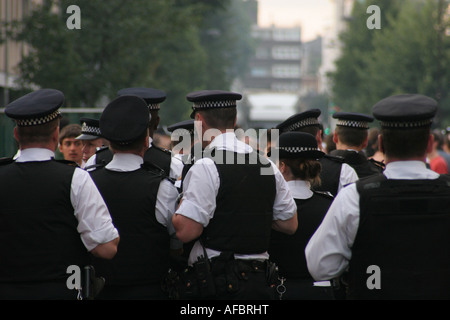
405 122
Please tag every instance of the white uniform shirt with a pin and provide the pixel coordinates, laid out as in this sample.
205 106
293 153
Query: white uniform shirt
176 165
329 249
201 186
94 221
348 176
167 193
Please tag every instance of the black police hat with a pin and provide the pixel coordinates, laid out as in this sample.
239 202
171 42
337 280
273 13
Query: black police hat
153 97
187 126
300 120
208 99
405 111
353 120
124 119
36 108
295 144
90 129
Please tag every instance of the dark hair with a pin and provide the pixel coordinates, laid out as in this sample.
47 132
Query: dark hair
309 129
352 137
136 145
219 118
70 131
37 134
404 144
305 169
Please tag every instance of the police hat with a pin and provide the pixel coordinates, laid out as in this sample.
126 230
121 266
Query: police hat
353 120
208 99
186 126
90 129
124 120
153 97
36 108
300 120
405 111
298 145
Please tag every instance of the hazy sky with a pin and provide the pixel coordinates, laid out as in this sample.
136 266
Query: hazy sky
312 15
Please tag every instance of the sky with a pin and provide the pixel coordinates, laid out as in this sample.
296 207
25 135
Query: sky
313 16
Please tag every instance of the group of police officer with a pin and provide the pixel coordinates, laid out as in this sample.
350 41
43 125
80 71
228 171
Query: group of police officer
147 224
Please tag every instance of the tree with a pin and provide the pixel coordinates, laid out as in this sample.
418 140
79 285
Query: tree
122 43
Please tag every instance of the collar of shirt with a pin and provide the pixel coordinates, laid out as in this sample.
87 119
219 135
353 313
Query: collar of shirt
125 162
409 170
300 189
35 154
228 141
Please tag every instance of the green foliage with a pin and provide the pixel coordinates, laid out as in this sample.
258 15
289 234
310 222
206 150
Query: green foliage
122 43
410 54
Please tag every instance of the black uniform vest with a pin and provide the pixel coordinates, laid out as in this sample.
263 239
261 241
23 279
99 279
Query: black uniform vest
404 231
143 253
38 229
288 251
359 162
330 174
243 216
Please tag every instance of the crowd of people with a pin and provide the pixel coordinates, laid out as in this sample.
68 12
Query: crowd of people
301 217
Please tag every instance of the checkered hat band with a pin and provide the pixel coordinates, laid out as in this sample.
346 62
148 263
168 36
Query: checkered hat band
90 130
297 149
406 125
38 121
154 106
353 124
182 132
303 123
214 104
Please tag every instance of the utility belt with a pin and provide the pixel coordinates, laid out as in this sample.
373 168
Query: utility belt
223 275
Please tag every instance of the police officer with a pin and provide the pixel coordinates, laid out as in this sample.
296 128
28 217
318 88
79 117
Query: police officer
231 203
391 227
351 138
141 202
158 156
298 153
335 173
52 214
90 137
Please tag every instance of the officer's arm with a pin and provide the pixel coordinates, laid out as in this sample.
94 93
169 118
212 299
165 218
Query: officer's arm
288 226
186 228
106 250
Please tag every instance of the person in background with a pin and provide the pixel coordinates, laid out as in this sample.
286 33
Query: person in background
335 173
69 146
298 162
90 137
437 157
351 138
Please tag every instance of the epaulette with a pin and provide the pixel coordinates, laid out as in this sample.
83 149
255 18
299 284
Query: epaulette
6 161
162 149
149 166
67 162
334 158
378 163
102 149
325 194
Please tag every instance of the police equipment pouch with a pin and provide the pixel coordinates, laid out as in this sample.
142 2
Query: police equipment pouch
205 281
92 285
